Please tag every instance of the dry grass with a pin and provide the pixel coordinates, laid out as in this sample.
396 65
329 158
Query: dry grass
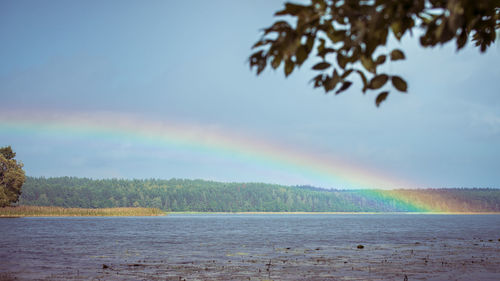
38 211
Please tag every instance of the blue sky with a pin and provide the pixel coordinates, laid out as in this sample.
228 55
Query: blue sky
186 61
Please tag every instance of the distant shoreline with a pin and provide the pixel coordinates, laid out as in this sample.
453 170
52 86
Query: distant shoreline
42 211
334 213
212 197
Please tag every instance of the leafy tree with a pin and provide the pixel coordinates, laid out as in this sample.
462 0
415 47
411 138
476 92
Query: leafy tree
348 36
11 177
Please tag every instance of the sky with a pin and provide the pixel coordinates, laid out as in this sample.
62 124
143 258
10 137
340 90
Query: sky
162 89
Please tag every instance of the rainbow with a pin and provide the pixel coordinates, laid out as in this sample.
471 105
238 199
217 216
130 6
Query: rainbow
373 187
203 140
397 200
423 200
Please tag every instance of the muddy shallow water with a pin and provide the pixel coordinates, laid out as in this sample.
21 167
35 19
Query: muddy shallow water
252 247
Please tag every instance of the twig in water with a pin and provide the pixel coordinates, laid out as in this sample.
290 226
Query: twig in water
269 269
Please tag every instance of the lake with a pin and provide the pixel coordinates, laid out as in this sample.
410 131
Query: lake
252 247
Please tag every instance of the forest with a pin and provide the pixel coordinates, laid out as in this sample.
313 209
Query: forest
182 195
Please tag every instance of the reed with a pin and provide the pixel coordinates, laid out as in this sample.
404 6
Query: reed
40 211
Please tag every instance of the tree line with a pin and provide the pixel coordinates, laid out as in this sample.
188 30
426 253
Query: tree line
211 196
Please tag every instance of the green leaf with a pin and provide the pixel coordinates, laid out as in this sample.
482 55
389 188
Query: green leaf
346 73
380 60
341 60
310 42
330 82
381 97
368 63
321 45
325 51
397 29
278 26
344 87
462 40
378 81
290 9
397 54
363 78
321 66
301 54
399 83
336 36
289 65
336 78
258 59
318 80
262 43
275 63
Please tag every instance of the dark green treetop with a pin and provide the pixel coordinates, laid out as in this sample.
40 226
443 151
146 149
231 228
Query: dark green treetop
12 177
7 152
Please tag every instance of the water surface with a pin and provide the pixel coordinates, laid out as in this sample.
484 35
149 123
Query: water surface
255 247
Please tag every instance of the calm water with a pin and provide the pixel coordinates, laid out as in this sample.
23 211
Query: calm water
315 247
